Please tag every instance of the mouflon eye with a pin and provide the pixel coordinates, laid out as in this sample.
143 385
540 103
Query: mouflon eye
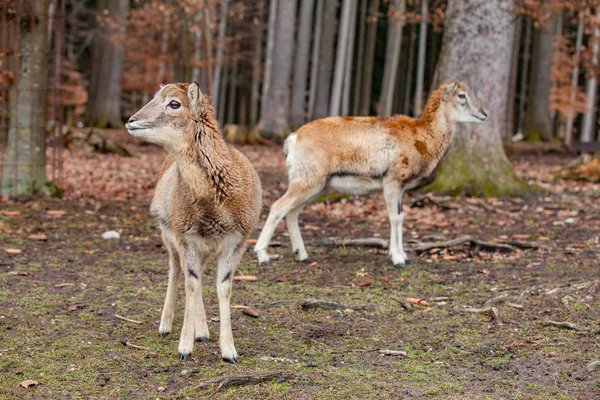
174 104
462 96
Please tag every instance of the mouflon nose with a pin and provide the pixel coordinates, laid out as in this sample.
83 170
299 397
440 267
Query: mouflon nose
131 120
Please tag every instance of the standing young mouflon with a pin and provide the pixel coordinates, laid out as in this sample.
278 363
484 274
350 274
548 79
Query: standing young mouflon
207 201
359 154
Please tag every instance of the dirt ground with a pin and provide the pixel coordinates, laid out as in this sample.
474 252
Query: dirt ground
521 324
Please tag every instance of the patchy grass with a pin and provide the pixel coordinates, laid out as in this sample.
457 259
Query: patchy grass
59 297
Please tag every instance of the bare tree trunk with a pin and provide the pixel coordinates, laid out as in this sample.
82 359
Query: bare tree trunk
316 51
349 61
409 71
24 162
233 86
209 48
367 78
392 57
104 104
525 76
182 68
325 65
341 57
589 118
266 100
360 58
219 56
274 118
223 95
476 163
421 61
557 36
197 48
538 124
256 69
574 80
302 58
514 74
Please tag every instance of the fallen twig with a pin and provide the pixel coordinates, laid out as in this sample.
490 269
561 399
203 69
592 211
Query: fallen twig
241 380
514 305
312 304
492 311
386 352
364 242
127 319
566 325
462 240
129 344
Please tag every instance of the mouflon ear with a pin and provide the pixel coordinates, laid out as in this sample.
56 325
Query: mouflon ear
195 99
448 90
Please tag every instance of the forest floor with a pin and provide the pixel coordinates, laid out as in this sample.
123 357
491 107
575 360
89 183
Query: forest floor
535 338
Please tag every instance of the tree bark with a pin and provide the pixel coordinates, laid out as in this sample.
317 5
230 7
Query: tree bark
589 118
256 69
326 54
104 103
341 57
347 91
392 56
24 163
525 76
219 56
421 59
266 100
409 72
514 74
574 79
367 77
275 117
302 58
316 51
538 124
478 36
360 57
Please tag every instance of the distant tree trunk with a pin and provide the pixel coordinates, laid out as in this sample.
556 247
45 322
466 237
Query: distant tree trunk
574 79
360 57
24 163
589 118
346 92
392 57
196 70
326 54
256 69
409 71
274 118
233 86
316 51
266 100
341 57
557 35
476 163
514 74
525 75
302 58
182 71
538 124
104 103
421 59
219 56
208 48
367 77
223 95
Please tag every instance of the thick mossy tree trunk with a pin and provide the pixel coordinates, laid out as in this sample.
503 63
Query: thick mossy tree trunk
477 44
24 163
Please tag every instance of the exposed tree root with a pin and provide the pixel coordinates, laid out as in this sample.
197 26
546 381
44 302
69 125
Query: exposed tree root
313 304
585 168
365 242
96 139
476 243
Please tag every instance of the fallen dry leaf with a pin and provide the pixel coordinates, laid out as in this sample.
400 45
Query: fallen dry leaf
251 241
484 271
514 345
250 312
579 246
8 213
239 307
38 236
521 236
383 279
12 251
245 278
56 213
544 238
5 229
419 302
28 382
312 264
282 279
365 283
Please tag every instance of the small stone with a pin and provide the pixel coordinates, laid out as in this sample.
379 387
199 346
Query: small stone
184 372
569 221
111 235
161 388
593 366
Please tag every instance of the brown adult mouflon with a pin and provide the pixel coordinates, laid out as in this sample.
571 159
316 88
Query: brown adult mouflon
360 154
207 201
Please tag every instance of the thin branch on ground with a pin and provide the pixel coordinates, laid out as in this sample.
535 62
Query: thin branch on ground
364 242
128 319
463 240
242 380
